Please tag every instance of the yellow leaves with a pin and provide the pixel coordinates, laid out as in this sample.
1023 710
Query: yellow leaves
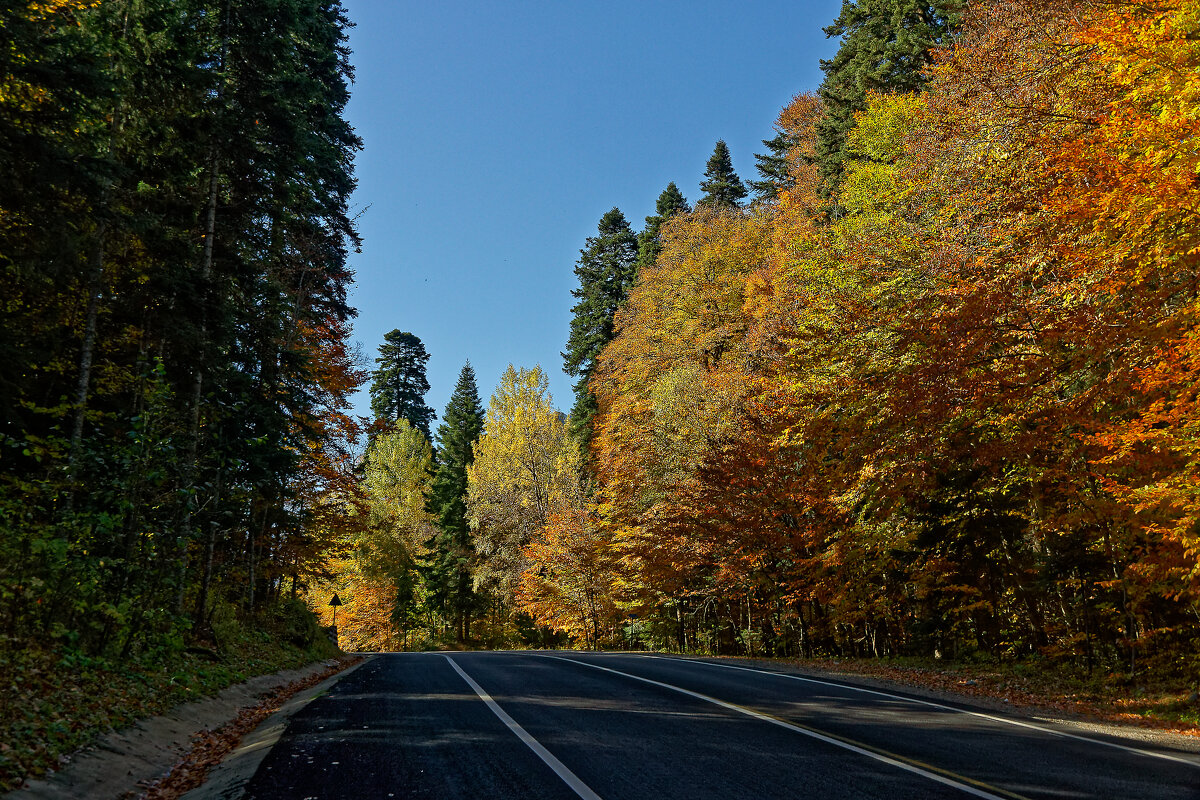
677 361
15 92
699 280
687 411
525 463
879 133
39 11
395 476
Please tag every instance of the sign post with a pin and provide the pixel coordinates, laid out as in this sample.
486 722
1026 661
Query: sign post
335 602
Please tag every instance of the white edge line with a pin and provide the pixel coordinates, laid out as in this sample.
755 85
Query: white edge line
805 731
570 778
992 717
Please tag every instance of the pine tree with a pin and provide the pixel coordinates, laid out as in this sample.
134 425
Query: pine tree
399 385
885 47
721 185
670 203
449 575
606 270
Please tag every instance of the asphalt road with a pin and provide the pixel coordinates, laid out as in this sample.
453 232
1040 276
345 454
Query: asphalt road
571 725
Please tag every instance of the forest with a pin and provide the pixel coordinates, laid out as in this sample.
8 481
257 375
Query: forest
175 364
929 386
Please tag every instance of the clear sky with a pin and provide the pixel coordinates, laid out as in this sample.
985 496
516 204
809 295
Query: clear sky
497 133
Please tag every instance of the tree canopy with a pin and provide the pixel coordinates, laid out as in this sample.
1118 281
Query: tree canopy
606 269
453 547
886 46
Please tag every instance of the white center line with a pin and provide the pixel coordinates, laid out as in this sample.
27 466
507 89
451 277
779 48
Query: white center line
570 778
992 717
933 776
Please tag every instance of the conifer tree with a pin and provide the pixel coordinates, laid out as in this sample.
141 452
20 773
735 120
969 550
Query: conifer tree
670 203
772 166
606 270
721 185
399 385
885 47
450 580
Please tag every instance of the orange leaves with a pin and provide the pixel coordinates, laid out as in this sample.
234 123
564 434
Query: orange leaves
1127 180
566 585
958 402
667 383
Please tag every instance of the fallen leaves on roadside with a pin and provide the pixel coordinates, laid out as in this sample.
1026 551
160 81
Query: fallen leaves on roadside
1023 691
210 747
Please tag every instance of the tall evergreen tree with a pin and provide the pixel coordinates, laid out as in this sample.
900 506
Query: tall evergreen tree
772 167
606 270
885 47
449 574
670 203
398 387
721 185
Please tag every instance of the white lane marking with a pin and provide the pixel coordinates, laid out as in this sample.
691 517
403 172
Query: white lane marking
933 776
570 778
931 704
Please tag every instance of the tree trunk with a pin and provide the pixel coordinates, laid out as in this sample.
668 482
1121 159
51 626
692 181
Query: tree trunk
192 468
91 321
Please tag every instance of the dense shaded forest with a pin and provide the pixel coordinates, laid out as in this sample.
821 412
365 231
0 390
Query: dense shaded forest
174 366
931 390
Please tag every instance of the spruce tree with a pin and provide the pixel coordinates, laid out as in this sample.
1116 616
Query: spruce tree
670 203
398 387
885 47
606 270
721 185
772 166
449 575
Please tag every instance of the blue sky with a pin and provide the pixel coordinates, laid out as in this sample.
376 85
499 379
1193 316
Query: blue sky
497 133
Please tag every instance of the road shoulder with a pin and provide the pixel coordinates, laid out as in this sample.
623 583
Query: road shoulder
1180 740
124 763
227 780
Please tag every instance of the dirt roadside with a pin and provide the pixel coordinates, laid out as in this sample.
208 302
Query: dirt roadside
125 764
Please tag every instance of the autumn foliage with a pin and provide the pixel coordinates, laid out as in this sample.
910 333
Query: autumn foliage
946 406
951 404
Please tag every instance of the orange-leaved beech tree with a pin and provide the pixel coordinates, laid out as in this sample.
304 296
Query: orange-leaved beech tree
567 583
1126 216
669 386
1058 274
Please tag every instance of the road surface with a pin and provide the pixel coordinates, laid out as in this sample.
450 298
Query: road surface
597 725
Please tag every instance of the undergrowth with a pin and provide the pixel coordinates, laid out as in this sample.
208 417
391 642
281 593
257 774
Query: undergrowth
56 699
